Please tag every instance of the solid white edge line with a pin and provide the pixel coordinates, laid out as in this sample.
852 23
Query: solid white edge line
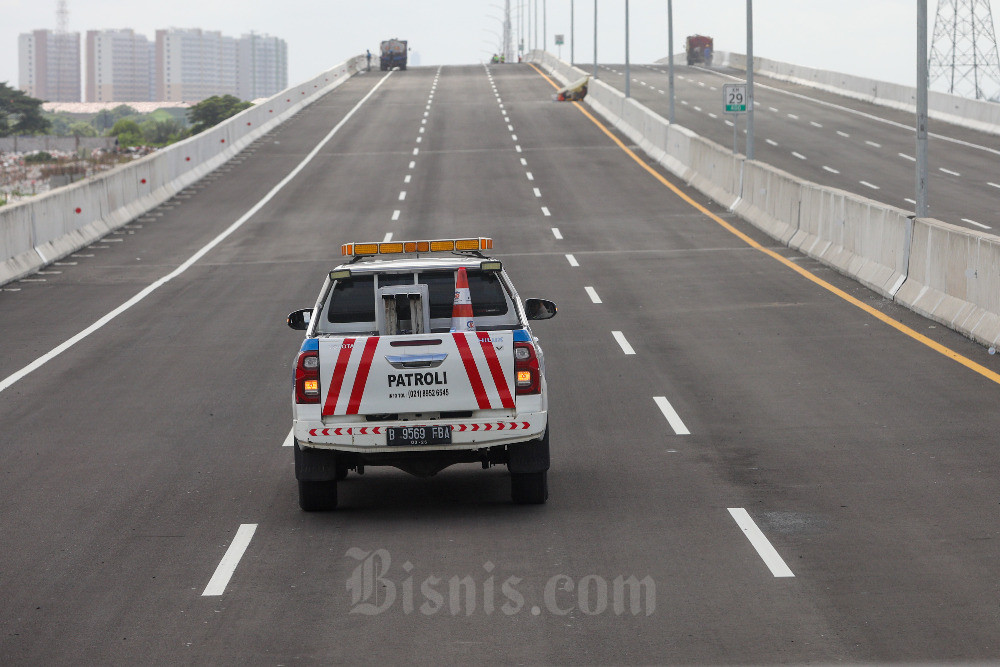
592 293
673 418
767 552
620 337
217 584
55 352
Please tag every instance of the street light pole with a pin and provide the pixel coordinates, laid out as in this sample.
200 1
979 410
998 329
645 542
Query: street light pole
628 74
921 109
595 39
572 32
670 55
749 79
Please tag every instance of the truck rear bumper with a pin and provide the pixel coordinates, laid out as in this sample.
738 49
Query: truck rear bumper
371 436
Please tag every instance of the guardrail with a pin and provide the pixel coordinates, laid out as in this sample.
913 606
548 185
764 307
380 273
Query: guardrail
42 230
944 272
975 114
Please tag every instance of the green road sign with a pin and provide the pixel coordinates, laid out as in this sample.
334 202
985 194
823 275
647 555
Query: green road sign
734 97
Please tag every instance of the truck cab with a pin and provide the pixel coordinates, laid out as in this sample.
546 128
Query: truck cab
419 355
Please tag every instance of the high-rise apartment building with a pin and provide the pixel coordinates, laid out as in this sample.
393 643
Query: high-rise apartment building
49 65
119 66
263 66
194 64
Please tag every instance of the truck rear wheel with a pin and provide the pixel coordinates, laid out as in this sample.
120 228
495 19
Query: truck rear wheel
529 488
318 496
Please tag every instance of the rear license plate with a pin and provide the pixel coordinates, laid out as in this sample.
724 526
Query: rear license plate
416 436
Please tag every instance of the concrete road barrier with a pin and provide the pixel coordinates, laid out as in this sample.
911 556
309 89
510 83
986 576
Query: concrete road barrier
46 228
946 273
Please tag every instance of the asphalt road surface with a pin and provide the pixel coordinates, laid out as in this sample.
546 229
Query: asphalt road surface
755 460
832 140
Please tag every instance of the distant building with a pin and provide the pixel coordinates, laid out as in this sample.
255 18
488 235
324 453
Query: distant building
119 66
49 65
194 64
262 70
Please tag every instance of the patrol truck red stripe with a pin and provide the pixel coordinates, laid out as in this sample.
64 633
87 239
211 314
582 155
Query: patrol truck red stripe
470 369
362 377
333 395
496 369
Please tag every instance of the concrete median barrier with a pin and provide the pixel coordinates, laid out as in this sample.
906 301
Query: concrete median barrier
946 273
46 228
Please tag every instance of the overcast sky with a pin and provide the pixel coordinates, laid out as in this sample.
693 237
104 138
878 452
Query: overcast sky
873 38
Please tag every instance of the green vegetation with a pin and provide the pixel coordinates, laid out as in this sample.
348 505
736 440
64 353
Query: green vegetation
20 114
213 110
159 128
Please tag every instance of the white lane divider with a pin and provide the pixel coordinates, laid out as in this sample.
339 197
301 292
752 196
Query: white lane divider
874 144
289 439
673 418
907 157
830 169
556 233
767 552
546 212
992 185
227 566
572 260
402 195
977 224
948 171
626 348
799 155
869 185
388 237
395 214
592 293
191 261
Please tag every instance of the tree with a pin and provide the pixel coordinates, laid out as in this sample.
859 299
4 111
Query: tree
19 113
81 128
213 110
128 133
159 132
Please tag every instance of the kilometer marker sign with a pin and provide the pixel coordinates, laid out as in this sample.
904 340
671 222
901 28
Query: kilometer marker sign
734 97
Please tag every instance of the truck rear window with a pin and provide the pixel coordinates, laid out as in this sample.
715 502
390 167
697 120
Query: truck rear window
352 300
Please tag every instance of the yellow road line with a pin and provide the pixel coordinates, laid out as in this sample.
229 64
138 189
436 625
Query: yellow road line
895 324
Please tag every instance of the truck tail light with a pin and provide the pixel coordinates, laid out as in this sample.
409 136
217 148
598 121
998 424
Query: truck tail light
307 377
526 376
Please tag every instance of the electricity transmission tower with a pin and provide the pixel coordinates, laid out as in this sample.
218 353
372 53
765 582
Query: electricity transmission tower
964 49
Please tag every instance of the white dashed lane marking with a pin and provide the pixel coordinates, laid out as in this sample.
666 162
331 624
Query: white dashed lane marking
673 418
620 338
217 584
767 552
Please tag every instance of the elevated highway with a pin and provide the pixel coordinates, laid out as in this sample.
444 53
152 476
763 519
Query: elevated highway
709 385
833 140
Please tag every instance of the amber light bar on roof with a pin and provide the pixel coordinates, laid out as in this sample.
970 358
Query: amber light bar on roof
404 247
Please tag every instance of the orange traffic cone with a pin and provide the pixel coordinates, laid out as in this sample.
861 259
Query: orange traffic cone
461 313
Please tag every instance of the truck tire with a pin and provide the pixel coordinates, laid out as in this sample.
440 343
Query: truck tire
317 496
529 488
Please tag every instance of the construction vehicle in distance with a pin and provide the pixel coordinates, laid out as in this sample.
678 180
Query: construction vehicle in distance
699 50
393 54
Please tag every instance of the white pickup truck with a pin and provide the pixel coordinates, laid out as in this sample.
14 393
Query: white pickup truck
384 378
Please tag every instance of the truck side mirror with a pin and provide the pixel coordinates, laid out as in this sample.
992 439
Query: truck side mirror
540 309
299 319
